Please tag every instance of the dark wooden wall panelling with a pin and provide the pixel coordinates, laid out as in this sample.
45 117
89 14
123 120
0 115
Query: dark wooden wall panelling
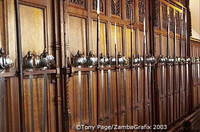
30 106
172 84
195 73
61 98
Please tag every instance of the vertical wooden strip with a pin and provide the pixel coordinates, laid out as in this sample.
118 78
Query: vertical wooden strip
20 66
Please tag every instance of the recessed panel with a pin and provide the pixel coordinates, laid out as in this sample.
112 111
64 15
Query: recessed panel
77 33
129 42
116 39
102 45
32 29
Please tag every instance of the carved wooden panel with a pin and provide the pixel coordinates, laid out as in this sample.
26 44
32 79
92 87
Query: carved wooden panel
83 99
13 100
32 29
116 40
77 31
116 7
38 105
103 41
81 3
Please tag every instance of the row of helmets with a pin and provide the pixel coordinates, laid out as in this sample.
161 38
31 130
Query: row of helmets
91 60
30 61
43 61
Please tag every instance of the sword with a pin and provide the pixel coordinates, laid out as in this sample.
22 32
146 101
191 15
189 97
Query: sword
32 103
44 114
80 98
131 13
90 98
167 74
2 105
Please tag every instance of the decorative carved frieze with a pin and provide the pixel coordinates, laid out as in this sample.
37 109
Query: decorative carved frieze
116 7
81 3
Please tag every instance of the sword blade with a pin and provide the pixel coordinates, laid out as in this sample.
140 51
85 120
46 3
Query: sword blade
32 102
44 113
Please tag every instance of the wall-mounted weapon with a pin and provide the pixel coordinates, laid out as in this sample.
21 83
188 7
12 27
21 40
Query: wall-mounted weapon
79 60
32 61
91 59
46 60
5 61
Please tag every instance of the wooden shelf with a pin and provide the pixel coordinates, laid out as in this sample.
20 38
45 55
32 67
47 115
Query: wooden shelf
39 72
87 69
8 74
